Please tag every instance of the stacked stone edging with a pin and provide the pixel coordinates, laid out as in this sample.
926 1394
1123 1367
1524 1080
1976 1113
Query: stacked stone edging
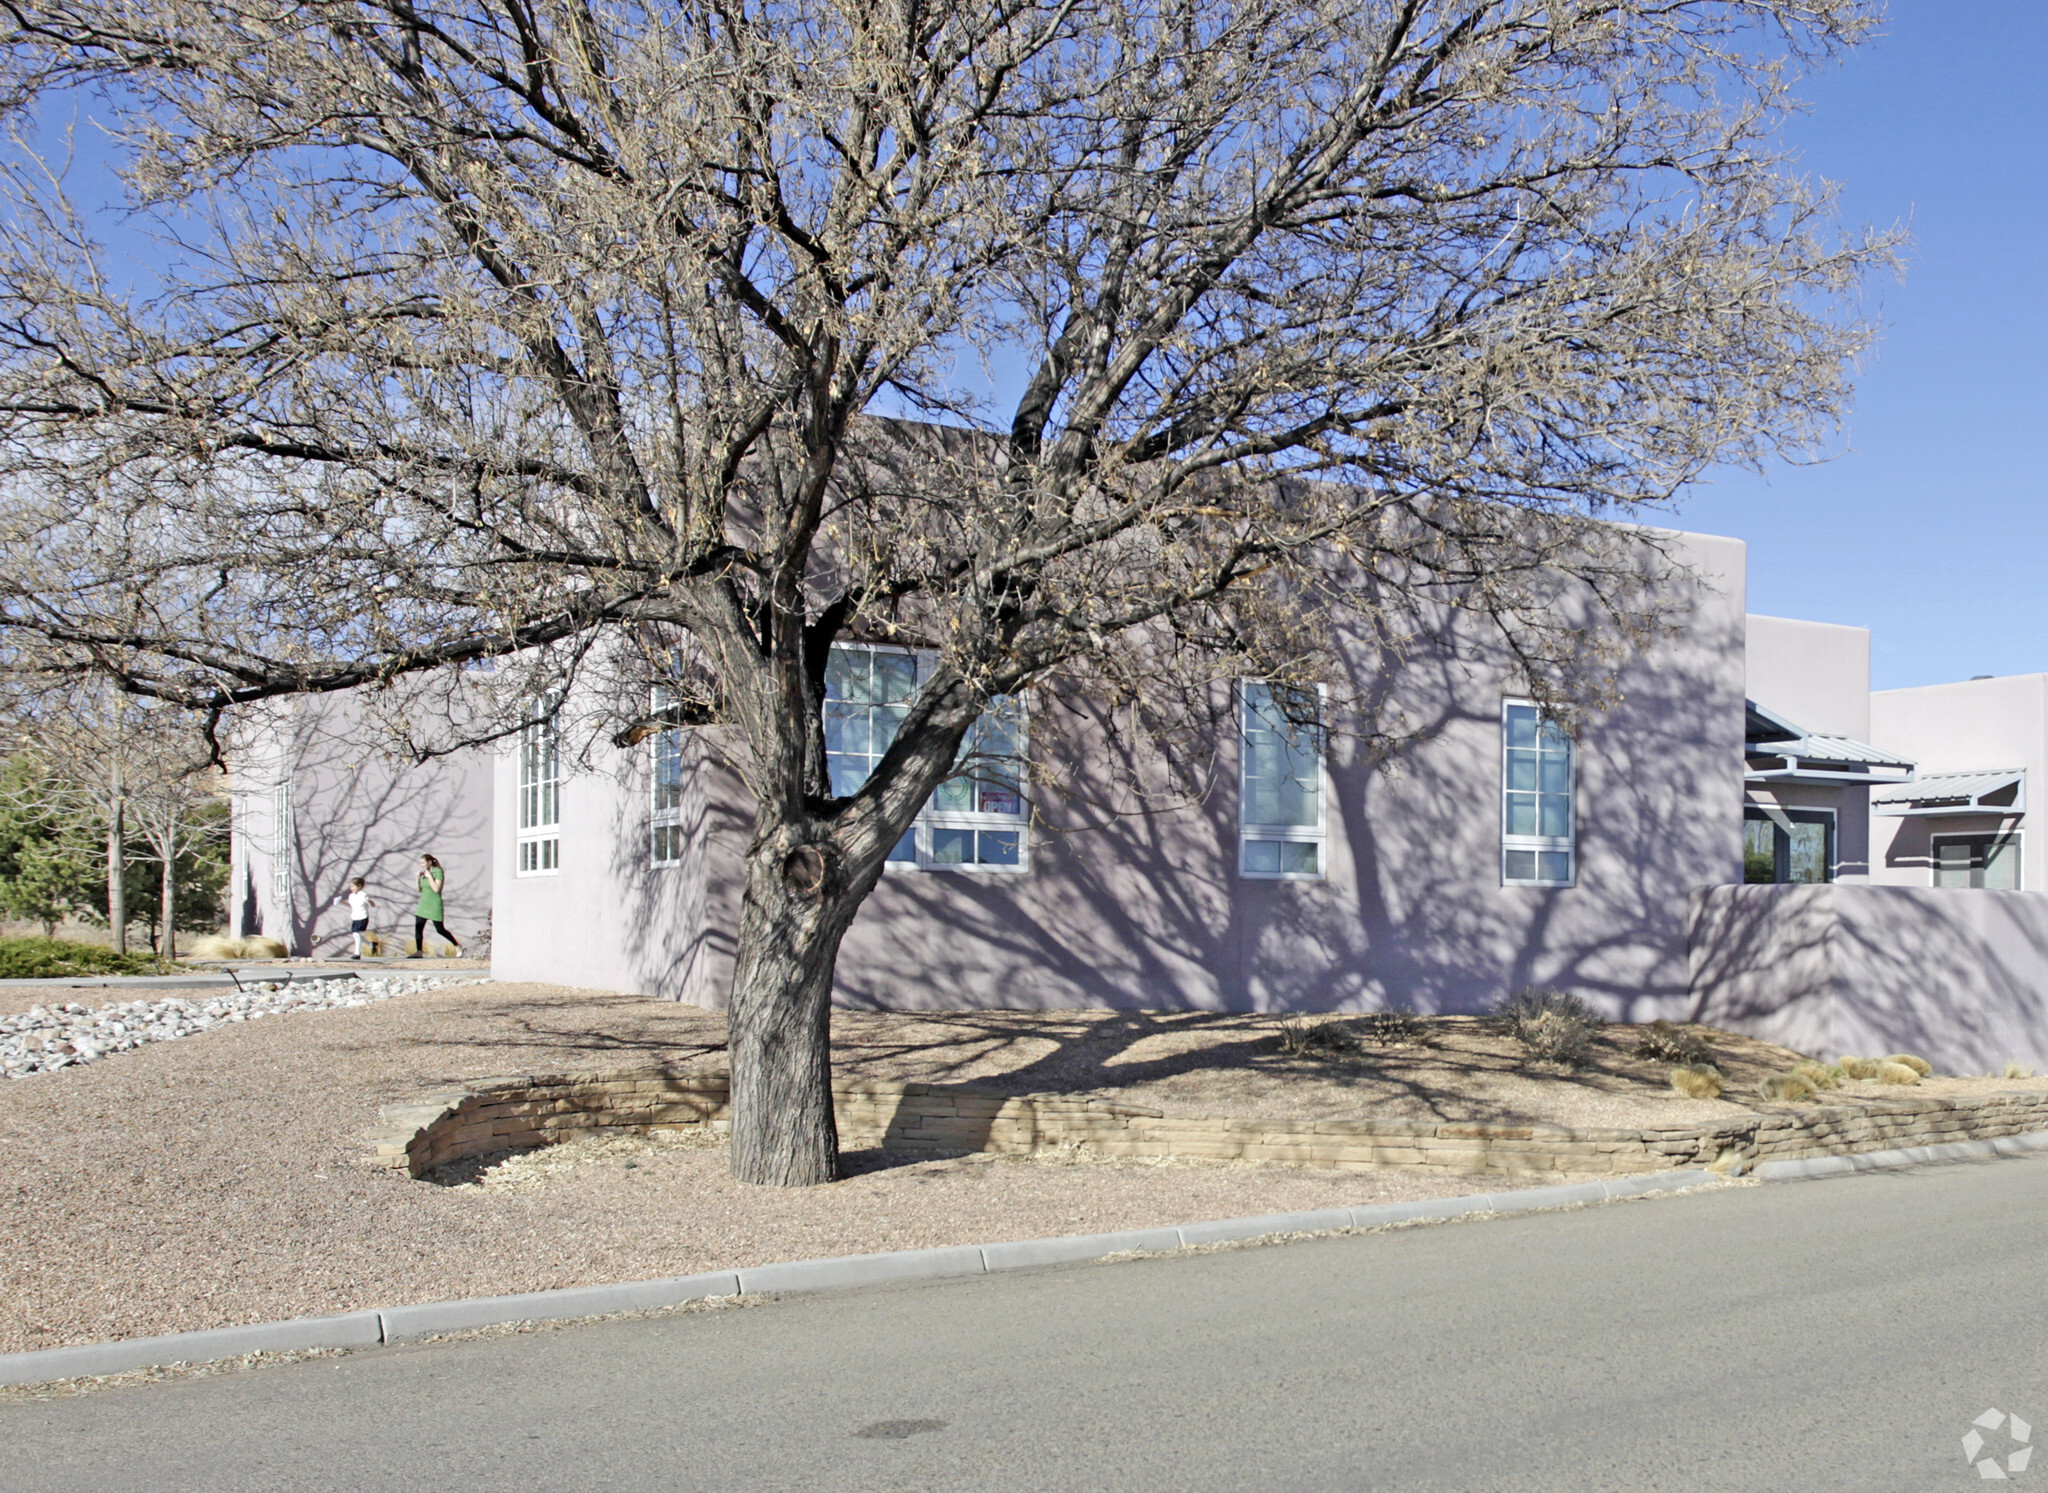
502 1114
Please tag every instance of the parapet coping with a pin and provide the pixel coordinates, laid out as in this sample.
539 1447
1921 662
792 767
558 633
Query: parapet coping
374 1328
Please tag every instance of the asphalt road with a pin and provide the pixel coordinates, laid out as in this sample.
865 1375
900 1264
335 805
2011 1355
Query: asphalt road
1822 1335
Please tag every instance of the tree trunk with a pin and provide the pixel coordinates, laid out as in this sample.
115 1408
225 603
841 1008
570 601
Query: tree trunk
117 868
797 908
169 894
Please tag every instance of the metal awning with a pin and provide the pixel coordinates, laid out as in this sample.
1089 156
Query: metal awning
1779 751
2003 792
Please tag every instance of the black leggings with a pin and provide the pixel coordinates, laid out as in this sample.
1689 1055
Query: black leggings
419 934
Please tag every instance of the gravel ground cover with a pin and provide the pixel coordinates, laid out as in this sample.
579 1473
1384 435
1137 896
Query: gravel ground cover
44 1039
219 1180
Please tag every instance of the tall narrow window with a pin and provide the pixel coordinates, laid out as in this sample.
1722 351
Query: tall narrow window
665 762
974 820
283 846
540 844
1539 818
1281 782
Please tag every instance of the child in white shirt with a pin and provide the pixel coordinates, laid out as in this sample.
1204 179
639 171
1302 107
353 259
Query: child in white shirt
359 905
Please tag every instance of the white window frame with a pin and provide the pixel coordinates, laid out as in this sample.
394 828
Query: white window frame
2002 837
664 744
1568 842
930 819
538 817
283 846
1249 833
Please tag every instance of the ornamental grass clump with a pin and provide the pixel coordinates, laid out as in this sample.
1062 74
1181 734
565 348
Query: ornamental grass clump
1786 1088
1820 1075
1857 1068
1667 1042
1919 1065
1301 1037
1697 1080
1394 1029
1552 1026
2018 1070
1889 1071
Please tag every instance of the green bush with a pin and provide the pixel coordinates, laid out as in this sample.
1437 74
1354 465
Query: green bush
55 958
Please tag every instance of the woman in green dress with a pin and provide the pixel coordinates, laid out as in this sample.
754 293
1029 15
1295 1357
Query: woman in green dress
429 909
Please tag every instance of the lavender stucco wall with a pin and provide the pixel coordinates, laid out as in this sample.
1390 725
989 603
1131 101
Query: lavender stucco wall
355 811
1959 978
1148 911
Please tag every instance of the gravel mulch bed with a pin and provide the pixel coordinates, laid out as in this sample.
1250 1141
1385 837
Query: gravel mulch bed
218 1180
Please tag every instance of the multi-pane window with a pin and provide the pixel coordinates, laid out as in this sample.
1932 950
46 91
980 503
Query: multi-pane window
1988 861
283 847
1788 845
540 781
977 818
1538 815
1281 782
665 763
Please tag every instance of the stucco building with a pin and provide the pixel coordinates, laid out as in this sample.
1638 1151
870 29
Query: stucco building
1749 835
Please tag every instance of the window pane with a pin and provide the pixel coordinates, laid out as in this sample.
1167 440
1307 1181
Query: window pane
1262 856
1521 865
1521 726
895 676
1557 773
952 847
1522 771
1000 800
1554 816
954 796
1521 813
1300 857
1282 777
999 847
846 674
1554 866
1808 858
906 848
846 727
2002 867
1759 851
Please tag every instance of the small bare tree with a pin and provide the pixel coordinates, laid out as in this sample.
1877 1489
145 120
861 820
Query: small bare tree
496 328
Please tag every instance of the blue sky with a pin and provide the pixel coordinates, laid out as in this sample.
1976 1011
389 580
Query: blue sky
1930 528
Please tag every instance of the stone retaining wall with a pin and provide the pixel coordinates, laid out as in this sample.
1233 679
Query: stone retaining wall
504 1114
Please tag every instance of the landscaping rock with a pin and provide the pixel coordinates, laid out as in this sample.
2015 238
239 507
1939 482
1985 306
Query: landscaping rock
48 1038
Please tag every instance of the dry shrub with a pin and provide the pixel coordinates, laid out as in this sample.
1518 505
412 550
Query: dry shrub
1785 1088
260 947
215 946
1919 1065
2018 1070
1551 1025
1668 1042
1393 1029
1820 1075
1302 1037
1891 1072
1697 1081
1857 1067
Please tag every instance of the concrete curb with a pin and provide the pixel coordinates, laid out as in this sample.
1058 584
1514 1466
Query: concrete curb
368 1329
1871 1161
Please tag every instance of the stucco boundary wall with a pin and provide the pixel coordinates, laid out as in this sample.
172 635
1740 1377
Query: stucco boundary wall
504 1114
1957 976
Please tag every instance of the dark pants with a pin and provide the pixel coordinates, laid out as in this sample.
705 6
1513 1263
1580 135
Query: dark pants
419 934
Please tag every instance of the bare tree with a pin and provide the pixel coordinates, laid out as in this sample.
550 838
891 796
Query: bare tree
498 328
